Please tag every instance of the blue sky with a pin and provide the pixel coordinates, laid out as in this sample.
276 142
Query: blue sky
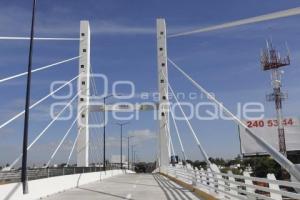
225 62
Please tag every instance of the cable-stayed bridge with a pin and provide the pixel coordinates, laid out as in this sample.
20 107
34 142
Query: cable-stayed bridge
169 180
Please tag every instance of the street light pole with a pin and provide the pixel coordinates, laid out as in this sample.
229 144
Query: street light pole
27 104
128 151
121 139
132 156
104 127
104 121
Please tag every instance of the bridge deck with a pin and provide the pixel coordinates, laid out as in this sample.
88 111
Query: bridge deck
129 186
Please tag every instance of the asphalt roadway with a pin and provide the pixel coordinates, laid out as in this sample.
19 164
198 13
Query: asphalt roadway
128 186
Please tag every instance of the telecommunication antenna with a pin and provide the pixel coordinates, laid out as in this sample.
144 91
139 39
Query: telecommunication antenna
271 60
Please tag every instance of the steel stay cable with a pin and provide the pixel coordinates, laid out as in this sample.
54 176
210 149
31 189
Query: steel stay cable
73 147
39 38
97 118
38 69
61 142
178 134
45 129
281 159
251 20
172 147
37 103
94 88
190 126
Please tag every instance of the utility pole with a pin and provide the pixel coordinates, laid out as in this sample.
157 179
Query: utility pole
121 143
24 178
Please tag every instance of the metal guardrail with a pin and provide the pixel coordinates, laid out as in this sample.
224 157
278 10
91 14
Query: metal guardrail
33 174
232 186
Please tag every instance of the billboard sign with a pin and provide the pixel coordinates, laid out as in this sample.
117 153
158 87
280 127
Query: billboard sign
267 129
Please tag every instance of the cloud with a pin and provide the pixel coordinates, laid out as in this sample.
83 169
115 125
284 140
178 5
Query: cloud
110 27
41 113
38 114
41 153
102 27
112 142
6 133
142 135
56 26
11 109
13 18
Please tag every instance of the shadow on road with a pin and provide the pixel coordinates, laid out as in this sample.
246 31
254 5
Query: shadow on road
171 191
12 192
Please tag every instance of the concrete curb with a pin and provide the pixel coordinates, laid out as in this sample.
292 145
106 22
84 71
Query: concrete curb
199 193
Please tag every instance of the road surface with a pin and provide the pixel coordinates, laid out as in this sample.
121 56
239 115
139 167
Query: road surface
129 186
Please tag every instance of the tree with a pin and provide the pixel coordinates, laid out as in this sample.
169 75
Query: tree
263 165
200 164
190 162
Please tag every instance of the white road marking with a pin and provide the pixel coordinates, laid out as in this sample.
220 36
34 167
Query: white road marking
128 196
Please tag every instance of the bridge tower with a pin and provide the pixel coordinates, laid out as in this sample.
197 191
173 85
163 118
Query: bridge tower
83 96
163 108
83 88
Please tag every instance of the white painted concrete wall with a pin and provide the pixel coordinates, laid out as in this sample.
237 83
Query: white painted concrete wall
48 186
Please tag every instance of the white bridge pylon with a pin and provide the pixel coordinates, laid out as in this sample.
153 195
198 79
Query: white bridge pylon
83 97
85 107
162 64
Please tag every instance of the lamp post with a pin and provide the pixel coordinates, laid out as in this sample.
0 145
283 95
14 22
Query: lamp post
128 154
27 104
121 139
104 121
128 138
132 156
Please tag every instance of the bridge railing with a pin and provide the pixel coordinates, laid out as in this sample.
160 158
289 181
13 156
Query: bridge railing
33 174
232 186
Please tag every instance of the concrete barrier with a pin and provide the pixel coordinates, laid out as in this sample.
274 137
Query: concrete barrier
48 186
